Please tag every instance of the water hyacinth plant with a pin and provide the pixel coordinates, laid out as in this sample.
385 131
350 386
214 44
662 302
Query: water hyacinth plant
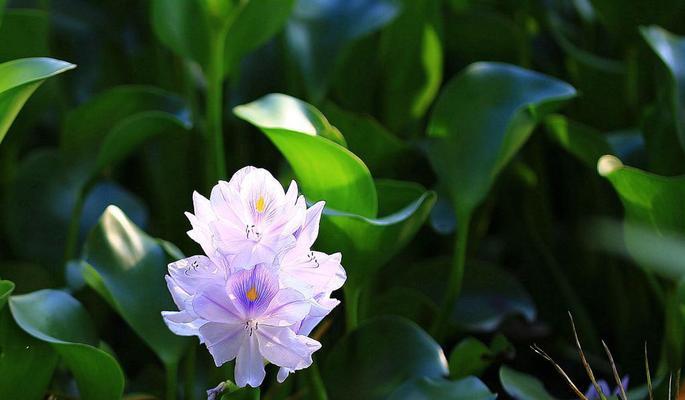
383 199
260 289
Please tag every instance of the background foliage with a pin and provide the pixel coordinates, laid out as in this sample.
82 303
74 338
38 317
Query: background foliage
488 165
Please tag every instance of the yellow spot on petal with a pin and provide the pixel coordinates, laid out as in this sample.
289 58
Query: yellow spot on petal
252 294
260 205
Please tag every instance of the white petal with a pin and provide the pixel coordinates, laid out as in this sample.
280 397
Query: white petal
192 273
283 374
223 340
282 347
214 304
287 308
310 229
249 365
182 323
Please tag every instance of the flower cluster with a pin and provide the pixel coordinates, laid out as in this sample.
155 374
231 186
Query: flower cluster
260 289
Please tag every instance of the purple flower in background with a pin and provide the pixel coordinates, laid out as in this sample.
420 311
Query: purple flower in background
261 289
592 394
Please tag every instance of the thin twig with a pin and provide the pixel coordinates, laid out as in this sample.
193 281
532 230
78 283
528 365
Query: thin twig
586 365
613 368
649 376
561 371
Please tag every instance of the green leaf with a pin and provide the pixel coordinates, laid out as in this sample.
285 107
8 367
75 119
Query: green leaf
583 142
325 169
182 26
118 121
671 51
190 27
469 357
489 296
319 31
411 54
368 243
18 80
26 364
257 22
131 266
372 361
521 386
6 288
653 208
2 9
473 357
41 200
481 119
57 318
470 388
381 150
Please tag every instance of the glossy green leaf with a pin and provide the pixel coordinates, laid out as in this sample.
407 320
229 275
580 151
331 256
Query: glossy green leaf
651 202
368 243
411 53
489 296
318 31
41 200
189 27
521 386
372 361
381 151
18 80
2 10
583 142
57 318
481 119
423 388
325 169
26 363
130 267
118 121
6 288
671 51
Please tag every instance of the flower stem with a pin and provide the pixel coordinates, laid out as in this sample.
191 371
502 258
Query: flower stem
316 383
214 116
189 367
75 221
171 377
351 307
455 279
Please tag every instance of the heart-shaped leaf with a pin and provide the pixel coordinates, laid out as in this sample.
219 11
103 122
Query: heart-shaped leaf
521 386
128 268
57 318
470 388
372 361
319 30
19 79
324 168
26 365
481 119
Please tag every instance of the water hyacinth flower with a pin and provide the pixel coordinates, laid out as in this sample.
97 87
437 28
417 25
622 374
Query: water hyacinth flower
261 289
